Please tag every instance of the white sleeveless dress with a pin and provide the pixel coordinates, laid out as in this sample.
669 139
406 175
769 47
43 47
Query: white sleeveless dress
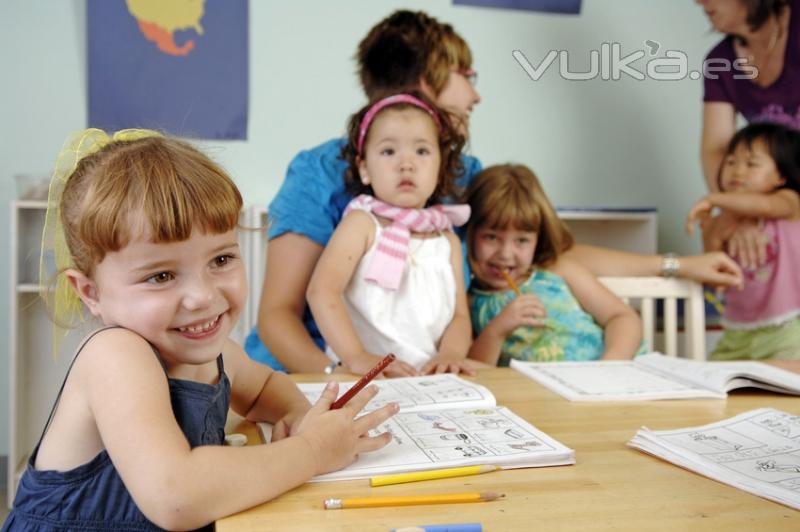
410 321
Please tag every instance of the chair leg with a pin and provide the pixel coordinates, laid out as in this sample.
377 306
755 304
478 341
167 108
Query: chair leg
671 326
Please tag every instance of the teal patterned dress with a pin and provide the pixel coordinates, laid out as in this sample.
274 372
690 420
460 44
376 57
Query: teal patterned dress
570 334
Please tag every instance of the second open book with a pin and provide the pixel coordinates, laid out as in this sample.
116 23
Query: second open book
445 421
655 376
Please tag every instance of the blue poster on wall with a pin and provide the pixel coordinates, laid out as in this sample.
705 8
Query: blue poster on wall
177 66
553 6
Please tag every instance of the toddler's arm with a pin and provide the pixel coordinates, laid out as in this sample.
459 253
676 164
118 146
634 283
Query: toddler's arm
455 342
330 279
781 204
734 227
623 328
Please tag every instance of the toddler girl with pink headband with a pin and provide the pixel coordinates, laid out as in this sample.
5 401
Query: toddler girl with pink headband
391 278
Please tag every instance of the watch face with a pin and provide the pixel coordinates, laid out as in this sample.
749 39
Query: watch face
669 266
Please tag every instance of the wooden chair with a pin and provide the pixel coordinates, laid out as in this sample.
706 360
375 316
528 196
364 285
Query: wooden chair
646 290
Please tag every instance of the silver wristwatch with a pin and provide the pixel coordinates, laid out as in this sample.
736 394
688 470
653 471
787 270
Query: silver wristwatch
670 265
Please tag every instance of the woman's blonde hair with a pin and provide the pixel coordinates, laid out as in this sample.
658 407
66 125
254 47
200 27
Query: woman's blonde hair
510 196
158 185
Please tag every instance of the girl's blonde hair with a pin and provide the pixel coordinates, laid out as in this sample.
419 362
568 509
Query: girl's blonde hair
158 185
510 196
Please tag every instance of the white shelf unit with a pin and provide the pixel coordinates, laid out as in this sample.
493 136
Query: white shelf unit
626 229
35 371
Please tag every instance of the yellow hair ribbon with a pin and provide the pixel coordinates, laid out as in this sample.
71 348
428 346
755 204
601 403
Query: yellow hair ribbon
55 257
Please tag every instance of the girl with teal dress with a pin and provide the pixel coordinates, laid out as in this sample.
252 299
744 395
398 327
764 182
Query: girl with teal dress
528 301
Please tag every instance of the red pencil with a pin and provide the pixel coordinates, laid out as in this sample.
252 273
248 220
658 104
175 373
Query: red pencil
363 381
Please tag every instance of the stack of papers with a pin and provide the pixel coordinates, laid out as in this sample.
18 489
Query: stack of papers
758 452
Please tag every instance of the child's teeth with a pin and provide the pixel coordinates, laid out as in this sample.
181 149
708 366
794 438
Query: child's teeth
199 328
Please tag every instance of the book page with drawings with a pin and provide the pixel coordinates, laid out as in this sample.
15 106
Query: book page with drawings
725 376
428 392
758 451
452 438
613 380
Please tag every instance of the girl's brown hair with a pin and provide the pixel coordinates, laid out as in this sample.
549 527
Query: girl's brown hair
510 196
408 47
158 185
451 142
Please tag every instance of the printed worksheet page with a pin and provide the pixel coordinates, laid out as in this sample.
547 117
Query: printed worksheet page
758 451
416 393
451 438
725 376
613 380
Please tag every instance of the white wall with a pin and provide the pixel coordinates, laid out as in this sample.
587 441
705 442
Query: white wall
609 143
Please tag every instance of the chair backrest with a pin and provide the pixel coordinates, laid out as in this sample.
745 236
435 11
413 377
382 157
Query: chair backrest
646 290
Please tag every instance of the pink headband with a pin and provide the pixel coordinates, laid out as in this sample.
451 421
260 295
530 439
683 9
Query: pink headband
392 100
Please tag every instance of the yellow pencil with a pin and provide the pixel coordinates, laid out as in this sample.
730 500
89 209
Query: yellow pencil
385 480
442 498
511 284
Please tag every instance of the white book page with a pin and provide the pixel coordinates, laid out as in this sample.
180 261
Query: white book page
724 376
412 394
452 438
758 451
612 380
428 392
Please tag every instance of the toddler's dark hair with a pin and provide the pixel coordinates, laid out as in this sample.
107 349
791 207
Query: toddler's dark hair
783 145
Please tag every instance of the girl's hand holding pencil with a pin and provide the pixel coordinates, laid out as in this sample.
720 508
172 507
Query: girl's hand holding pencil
289 424
335 437
525 309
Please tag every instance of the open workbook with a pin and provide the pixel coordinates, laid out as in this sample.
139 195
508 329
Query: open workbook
758 452
445 421
655 376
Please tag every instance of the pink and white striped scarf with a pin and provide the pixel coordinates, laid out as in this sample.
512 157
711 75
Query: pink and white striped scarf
389 261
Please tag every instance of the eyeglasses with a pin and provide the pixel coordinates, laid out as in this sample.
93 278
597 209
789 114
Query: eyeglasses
469 74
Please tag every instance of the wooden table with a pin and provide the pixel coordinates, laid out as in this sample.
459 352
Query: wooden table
612 487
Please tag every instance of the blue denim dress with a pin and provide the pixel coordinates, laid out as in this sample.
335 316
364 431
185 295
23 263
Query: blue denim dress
92 496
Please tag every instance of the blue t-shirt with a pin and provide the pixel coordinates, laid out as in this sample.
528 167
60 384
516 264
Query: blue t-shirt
311 202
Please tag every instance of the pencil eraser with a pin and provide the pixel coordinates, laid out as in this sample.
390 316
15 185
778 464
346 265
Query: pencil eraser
235 440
